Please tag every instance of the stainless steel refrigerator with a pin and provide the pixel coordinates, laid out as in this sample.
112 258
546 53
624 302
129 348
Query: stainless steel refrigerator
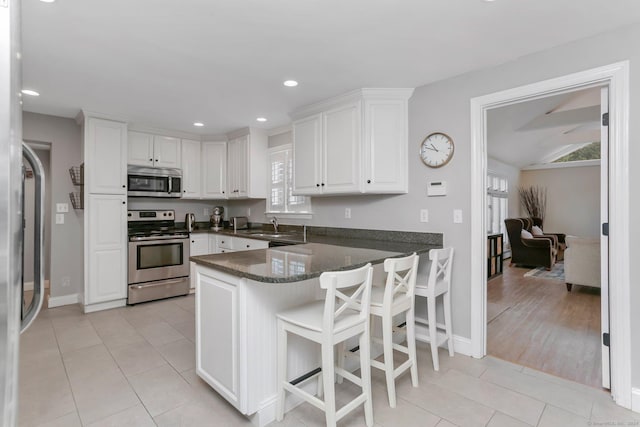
14 318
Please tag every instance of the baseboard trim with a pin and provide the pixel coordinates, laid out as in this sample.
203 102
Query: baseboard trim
461 345
105 305
635 399
63 300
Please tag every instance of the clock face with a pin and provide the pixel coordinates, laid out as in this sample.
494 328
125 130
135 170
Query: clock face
436 150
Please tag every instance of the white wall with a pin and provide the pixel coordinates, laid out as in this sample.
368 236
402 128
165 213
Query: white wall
66 239
573 198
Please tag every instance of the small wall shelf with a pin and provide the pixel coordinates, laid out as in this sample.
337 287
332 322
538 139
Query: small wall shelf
77 178
495 255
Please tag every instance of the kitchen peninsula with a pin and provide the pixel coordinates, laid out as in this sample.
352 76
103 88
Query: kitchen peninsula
238 295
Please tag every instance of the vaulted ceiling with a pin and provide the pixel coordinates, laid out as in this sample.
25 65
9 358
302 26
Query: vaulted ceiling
540 131
169 63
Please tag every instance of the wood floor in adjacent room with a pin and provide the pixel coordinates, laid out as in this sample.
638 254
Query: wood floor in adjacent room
536 323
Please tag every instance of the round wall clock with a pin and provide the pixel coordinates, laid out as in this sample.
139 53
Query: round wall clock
436 150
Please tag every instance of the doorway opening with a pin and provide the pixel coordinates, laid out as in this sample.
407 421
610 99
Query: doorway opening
616 78
43 151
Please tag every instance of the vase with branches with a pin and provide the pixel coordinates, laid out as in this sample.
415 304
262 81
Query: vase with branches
534 201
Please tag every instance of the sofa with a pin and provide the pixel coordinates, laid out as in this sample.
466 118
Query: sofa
582 262
539 251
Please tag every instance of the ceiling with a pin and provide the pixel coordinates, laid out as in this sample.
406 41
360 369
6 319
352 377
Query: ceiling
540 131
167 64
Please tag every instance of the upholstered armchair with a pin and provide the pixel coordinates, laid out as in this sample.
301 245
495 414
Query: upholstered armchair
582 262
534 251
560 237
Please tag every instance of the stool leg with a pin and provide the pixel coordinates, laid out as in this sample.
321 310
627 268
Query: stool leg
447 321
411 345
340 362
433 331
387 339
365 375
281 369
328 378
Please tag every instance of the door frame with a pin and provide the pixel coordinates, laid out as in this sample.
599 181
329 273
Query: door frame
616 77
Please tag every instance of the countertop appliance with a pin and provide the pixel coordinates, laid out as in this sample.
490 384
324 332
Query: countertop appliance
190 222
217 218
153 182
158 256
11 214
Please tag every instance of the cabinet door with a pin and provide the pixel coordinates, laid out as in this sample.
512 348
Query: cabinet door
235 169
341 149
217 333
105 156
240 163
191 170
166 151
307 155
140 149
385 147
214 170
199 244
107 275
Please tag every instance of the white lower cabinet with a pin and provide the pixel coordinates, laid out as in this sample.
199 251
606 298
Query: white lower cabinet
217 356
199 244
107 250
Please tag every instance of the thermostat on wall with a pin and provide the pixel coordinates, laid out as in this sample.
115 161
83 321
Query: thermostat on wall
436 188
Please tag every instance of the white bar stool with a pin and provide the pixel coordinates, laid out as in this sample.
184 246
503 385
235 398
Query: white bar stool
340 316
439 283
396 297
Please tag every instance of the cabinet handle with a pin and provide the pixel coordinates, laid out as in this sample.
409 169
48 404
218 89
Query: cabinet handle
124 186
317 185
323 184
156 160
151 160
184 191
124 203
368 181
193 241
248 246
223 192
222 242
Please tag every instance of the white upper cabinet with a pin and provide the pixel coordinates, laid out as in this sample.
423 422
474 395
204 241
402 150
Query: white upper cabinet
191 169
105 154
247 165
153 150
214 170
354 143
385 146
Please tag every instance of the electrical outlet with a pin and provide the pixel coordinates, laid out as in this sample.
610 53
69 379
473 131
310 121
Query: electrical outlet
62 207
347 213
66 281
457 216
59 218
424 215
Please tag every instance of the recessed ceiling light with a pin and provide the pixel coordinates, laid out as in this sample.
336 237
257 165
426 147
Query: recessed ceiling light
30 92
47 1
261 119
290 83
198 124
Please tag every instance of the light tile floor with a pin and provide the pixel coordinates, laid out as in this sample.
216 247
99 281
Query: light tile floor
134 366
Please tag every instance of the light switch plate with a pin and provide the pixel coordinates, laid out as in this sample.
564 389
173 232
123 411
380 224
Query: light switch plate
424 215
59 218
457 216
62 207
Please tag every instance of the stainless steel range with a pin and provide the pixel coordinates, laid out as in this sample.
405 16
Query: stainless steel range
158 256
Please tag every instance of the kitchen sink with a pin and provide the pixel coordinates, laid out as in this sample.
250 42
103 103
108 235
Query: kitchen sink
273 235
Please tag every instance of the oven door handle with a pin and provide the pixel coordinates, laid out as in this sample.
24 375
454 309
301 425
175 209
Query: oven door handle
151 238
154 284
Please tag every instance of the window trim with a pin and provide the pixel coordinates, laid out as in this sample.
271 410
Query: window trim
284 214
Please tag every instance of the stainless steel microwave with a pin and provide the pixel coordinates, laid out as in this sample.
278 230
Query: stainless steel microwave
153 182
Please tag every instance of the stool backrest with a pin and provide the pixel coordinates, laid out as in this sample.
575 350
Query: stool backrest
357 296
401 278
440 272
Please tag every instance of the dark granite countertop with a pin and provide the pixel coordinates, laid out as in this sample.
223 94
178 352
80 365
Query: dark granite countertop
286 264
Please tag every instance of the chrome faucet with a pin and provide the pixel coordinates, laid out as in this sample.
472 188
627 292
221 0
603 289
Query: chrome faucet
274 221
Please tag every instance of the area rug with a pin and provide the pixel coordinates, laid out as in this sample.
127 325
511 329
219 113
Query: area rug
556 273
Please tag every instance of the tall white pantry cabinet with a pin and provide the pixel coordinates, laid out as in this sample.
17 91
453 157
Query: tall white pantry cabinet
105 201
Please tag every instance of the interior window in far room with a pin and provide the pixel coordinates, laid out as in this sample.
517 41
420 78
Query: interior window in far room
497 203
281 198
